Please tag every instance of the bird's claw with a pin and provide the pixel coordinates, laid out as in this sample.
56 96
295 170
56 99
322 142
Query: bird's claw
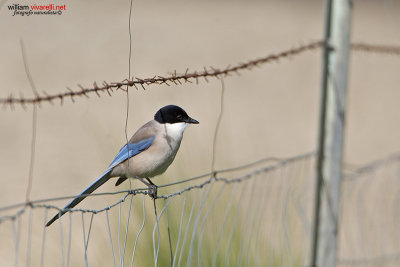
153 191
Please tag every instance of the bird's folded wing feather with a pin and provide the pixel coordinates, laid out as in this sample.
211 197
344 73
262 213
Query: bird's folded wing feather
130 150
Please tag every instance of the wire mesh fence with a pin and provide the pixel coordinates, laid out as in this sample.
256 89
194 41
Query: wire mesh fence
256 215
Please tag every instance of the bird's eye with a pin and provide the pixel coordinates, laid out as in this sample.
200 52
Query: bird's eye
179 116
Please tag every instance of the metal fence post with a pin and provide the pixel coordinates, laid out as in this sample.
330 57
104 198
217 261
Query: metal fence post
330 142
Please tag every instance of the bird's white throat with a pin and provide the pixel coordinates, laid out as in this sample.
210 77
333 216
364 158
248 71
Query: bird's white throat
175 130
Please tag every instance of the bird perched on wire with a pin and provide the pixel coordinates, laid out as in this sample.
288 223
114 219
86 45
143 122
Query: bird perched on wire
148 153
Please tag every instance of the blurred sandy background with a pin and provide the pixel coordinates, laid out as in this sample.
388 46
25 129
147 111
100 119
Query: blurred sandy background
270 111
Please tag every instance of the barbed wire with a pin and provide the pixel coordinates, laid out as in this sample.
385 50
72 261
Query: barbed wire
374 48
186 77
175 78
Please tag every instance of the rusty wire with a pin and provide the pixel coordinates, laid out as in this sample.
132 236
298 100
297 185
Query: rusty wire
173 78
380 49
186 77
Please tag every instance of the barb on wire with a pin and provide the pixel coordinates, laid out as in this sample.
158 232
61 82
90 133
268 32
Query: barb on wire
175 78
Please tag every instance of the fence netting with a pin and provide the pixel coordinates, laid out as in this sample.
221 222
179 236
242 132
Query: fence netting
255 215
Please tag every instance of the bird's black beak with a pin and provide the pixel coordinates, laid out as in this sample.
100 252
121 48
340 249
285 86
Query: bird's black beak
192 121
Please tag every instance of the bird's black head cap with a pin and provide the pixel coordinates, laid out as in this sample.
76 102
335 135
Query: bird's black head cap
173 114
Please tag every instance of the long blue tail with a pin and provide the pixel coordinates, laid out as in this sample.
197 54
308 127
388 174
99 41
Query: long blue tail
96 184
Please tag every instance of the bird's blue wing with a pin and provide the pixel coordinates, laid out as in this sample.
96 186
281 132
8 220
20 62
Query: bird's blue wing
130 150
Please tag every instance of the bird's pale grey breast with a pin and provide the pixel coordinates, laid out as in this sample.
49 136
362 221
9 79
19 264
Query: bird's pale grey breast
158 156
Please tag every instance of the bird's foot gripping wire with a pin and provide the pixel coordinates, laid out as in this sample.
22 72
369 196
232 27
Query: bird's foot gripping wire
152 187
153 191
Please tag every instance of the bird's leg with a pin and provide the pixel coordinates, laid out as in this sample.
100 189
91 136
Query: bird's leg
152 187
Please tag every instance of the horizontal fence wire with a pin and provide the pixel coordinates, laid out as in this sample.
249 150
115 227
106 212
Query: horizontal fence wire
370 215
173 78
257 214
215 175
180 78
